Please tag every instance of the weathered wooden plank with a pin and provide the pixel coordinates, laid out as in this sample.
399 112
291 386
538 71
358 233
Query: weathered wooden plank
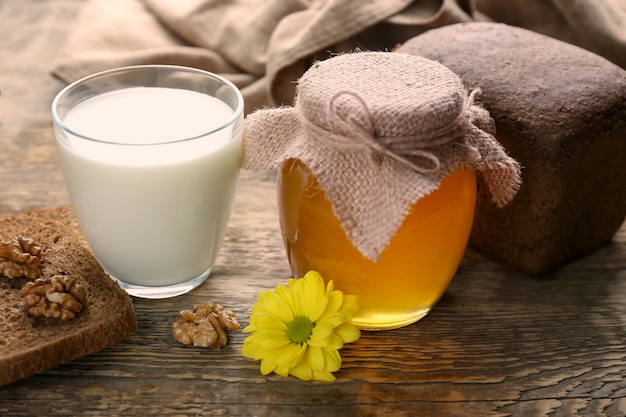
498 343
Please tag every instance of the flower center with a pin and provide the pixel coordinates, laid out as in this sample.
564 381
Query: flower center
299 330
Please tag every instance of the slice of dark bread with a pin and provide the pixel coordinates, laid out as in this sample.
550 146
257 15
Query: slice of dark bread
29 345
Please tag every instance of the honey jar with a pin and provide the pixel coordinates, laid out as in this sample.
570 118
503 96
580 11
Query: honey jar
413 270
377 178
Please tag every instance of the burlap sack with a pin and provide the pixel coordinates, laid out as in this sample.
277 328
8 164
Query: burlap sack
380 130
263 46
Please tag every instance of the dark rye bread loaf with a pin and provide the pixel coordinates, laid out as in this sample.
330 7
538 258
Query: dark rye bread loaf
561 112
29 345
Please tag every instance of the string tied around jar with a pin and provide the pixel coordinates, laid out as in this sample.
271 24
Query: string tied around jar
410 150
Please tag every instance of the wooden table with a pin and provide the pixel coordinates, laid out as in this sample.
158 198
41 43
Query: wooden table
498 343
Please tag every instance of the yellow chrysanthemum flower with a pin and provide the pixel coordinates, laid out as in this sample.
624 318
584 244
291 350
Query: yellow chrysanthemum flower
297 330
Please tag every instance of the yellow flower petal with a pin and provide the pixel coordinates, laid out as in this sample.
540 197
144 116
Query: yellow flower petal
262 321
309 296
347 332
273 340
314 357
291 355
333 342
322 330
302 371
333 320
274 304
350 306
324 376
284 292
335 300
252 350
268 367
332 360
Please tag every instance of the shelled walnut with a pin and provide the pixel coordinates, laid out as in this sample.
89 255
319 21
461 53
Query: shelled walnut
20 257
60 297
205 325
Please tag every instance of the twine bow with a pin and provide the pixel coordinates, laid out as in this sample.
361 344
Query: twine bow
344 128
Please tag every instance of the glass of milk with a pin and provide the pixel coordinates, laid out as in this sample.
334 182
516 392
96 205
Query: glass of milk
151 156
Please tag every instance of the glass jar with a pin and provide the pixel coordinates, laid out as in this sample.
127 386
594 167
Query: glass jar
413 271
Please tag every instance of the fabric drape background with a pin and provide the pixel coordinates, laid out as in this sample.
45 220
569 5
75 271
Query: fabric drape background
264 46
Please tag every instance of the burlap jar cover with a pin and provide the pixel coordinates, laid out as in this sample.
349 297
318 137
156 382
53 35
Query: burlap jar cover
380 130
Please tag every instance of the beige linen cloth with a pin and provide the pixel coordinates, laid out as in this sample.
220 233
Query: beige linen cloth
264 46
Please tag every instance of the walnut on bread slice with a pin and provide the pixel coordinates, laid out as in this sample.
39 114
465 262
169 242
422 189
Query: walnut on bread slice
205 325
59 296
20 257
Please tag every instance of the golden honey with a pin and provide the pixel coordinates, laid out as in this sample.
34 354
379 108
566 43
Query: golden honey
413 271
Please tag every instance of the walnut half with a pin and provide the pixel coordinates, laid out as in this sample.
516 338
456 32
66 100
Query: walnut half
20 257
60 297
205 325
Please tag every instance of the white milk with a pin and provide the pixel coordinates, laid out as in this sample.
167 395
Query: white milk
154 215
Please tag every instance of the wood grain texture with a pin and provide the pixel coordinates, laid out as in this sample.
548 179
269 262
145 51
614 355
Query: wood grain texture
498 343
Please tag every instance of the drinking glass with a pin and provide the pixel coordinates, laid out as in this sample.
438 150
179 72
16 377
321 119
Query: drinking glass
151 157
